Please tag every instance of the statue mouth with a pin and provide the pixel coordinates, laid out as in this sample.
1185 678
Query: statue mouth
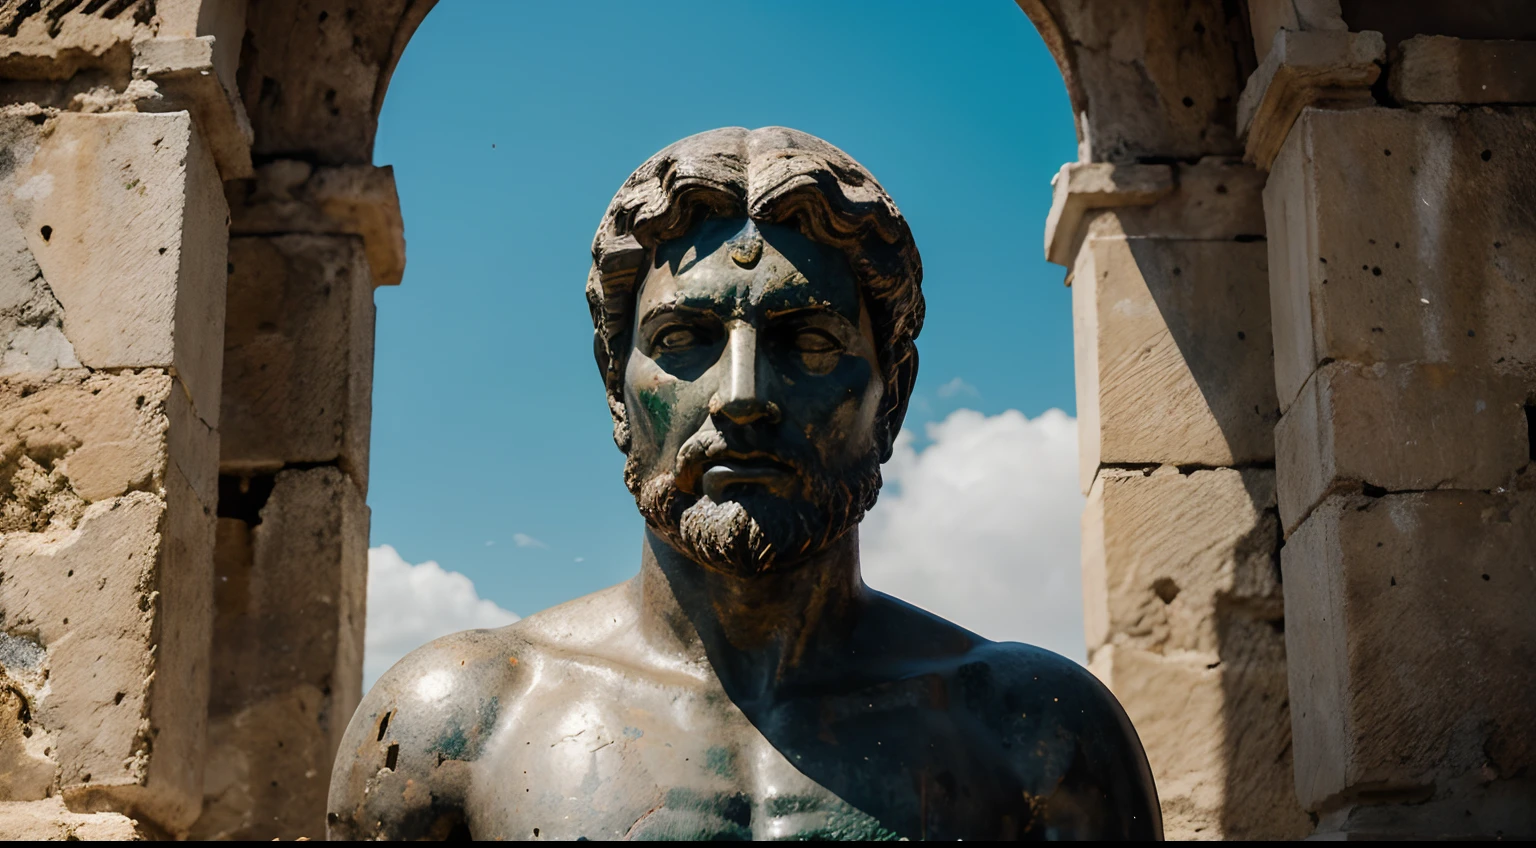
731 471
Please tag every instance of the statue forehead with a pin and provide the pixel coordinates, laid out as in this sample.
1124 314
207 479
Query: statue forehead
745 262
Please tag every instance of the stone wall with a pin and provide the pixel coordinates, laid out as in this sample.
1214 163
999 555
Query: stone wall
183 531
1403 285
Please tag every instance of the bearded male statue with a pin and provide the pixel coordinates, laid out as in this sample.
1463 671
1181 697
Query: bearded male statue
756 296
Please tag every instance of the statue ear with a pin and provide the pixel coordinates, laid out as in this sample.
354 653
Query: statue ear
900 386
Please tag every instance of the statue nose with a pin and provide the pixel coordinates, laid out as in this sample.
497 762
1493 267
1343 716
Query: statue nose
741 397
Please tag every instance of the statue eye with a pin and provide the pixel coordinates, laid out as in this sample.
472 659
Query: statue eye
816 341
675 339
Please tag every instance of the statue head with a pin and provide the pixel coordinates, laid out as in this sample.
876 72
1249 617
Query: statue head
756 296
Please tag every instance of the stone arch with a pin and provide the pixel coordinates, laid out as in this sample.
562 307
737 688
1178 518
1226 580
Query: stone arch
171 397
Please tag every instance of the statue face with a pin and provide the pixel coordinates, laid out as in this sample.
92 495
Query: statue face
753 388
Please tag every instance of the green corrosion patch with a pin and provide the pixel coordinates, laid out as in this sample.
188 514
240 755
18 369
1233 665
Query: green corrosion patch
658 406
451 744
721 761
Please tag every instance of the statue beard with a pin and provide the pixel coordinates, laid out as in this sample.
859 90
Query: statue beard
756 532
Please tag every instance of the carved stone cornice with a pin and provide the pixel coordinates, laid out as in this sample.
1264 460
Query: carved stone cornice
1320 68
1081 186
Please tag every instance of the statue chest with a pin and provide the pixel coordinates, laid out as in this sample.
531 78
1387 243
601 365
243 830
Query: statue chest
650 764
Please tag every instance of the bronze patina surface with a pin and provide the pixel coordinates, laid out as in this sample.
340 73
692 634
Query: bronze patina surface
755 297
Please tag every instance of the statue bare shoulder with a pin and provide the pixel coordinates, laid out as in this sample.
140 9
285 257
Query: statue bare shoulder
403 769
1074 752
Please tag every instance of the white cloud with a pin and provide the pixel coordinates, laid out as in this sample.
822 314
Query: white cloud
957 386
410 605
982 527
524 540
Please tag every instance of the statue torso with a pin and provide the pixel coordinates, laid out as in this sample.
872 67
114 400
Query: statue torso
544 734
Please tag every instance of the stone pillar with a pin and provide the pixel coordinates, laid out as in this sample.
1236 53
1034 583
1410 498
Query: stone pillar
109 396
293 526
1403 290
1176 411
116 132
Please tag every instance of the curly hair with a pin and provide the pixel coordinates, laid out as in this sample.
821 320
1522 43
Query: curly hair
770 175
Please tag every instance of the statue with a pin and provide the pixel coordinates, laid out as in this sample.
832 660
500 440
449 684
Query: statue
755 296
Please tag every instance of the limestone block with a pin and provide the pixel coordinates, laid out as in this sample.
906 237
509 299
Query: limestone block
1216 729
107 483
49 820
1411 644
287 656
1399 427
1401 235
1173 353
120 605
298 358
290 196
1166 554
124 214
1439 69
1330 67
74 438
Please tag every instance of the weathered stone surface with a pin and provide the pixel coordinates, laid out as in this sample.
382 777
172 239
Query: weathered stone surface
56 41
1403 236
298 358
121 607
1216 728
28 772
1319 68
74 438
105 552
125 215
1080 186
50 820
1165 554
314 74
1399 427
31 320
1173 353
287 655
1439 69
1411 644
1148 80
290 196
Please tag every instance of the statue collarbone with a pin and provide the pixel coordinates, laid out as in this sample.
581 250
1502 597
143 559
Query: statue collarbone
747 683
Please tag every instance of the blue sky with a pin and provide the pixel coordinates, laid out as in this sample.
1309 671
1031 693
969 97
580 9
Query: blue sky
511 124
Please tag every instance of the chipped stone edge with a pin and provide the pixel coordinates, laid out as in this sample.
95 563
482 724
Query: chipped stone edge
182 70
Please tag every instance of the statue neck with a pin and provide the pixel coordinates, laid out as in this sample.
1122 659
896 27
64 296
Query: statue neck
762 634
